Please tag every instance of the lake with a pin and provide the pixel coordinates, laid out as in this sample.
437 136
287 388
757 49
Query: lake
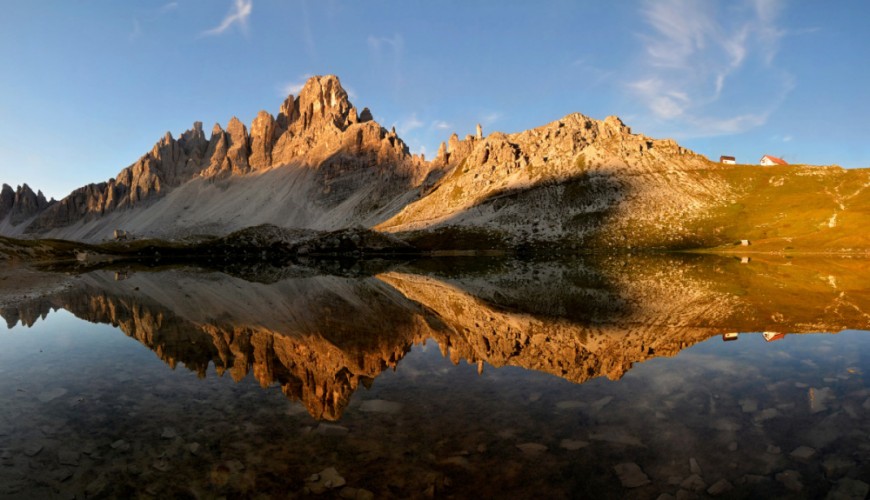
606 377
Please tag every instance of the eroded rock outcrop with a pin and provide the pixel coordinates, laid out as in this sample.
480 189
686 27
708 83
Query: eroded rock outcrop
319 130
575 183
589 181
21 204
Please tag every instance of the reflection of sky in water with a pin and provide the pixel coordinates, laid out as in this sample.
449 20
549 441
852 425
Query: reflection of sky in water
63 342
87 409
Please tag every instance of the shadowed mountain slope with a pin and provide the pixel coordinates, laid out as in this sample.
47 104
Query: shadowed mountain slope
577 182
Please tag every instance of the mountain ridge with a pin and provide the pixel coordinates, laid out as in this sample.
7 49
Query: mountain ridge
577 182
318 128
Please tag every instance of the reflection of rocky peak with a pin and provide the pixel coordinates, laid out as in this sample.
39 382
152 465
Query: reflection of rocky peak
333 334
28 312
608 342
321 337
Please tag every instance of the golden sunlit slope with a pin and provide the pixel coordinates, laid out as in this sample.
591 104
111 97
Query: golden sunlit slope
792 208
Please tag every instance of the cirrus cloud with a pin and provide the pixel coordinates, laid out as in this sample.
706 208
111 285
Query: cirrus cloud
707 70
238 15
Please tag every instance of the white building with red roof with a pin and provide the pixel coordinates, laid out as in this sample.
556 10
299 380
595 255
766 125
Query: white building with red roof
768 160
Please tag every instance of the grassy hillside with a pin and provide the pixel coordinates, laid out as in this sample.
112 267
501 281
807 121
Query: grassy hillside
12 249
782 209
790 208
694 206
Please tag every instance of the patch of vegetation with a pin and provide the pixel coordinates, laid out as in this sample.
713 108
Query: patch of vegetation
789 206
48 249
458 238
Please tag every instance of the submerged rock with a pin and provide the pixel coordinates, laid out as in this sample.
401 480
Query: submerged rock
326 479
803 454
51 394
33 449
380 406
791 479
694 483
68 457
720 487
849 489
532 448
615 436
331 430
836 466
631 475
573 444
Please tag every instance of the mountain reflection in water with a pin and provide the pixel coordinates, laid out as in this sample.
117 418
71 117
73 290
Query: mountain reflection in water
572 386
320 336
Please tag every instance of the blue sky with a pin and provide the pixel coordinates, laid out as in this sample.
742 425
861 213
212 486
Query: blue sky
89 86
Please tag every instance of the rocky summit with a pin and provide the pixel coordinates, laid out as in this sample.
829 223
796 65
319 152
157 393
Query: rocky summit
320 158
321 164
20 205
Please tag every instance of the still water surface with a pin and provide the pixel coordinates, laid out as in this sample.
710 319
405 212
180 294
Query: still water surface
526 380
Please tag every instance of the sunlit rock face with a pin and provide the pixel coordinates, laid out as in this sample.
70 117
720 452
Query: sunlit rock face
340 161
588 180
319 337
577 182
574 183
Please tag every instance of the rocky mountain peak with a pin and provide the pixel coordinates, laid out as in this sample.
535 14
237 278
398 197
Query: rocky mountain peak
322 97
237 129
614 125
262 139
22 203
287 113
7 199
228 150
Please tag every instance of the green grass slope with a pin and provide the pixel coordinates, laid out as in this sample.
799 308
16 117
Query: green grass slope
790 208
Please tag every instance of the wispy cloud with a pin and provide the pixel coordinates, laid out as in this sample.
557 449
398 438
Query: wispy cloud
295 86
490 118
307 33
168 7
694 54
592 74
408 124
396 43
238 15
149 17
440 125
387 52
